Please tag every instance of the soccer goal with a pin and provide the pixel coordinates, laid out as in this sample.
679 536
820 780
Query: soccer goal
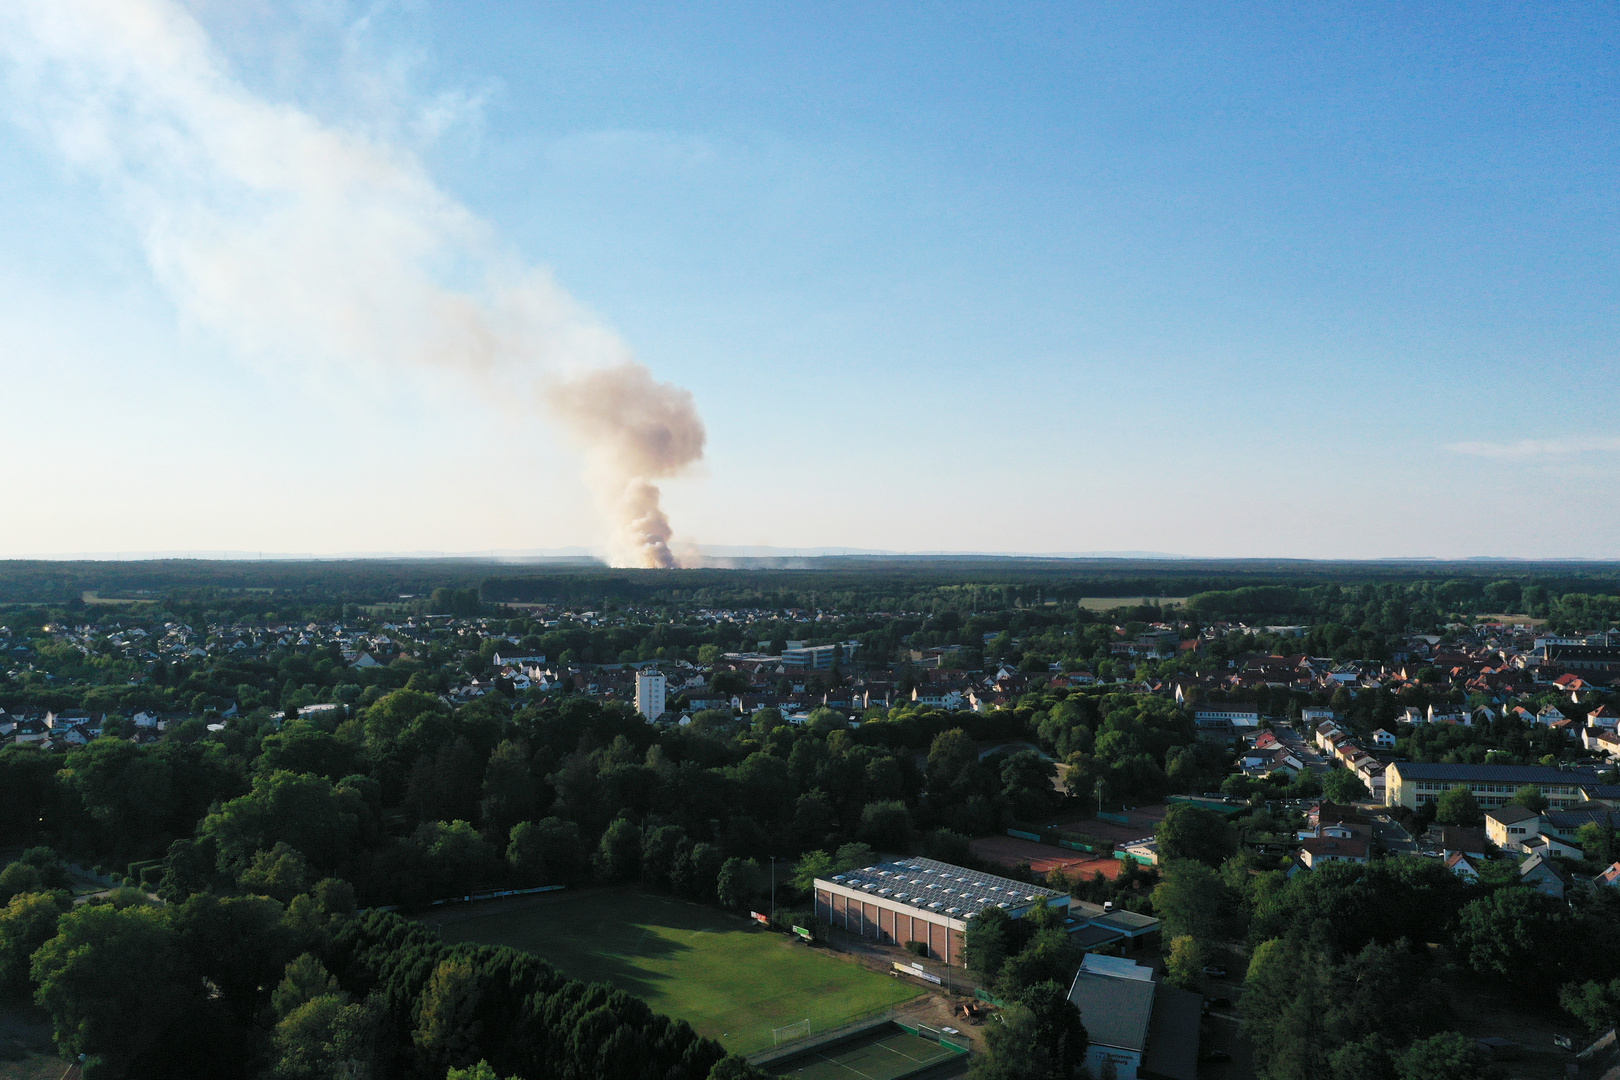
792 1031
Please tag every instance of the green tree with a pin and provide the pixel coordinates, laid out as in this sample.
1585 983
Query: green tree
457 856
1344 786
990 938
1458 807
128 793
447 1013
1518 935
1026 784
480 1071
19 878
732 1067
1530 797
305 812
304 979
1188 899
618 855
1594 1004
767 720
1450 1055
509 791
282 873
1597 842
26 922
114 983
853 856
812 865
952 761
1040 1038
327 1037
739 882
886 825
1193 832
659 851
697 871
1048 957
1185 962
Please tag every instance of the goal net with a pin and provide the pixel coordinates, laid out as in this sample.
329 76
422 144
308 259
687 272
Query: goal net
791 1032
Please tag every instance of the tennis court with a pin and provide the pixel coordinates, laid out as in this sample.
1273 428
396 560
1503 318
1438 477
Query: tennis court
887 1054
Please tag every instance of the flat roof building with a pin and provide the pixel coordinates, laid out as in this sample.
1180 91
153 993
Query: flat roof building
1411 784
650 694
923 900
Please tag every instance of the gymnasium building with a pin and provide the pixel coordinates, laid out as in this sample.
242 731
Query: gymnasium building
923 900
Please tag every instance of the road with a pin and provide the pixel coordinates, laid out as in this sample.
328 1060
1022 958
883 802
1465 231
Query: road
1220 1031
1396 840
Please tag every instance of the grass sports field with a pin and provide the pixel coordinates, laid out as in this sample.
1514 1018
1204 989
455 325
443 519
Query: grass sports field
728 978
887 1055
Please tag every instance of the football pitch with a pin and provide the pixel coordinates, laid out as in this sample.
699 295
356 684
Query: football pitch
730 979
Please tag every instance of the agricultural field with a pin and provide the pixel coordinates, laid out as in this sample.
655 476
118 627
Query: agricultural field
727 977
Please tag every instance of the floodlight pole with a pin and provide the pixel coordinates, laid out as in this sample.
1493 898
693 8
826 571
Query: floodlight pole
773 888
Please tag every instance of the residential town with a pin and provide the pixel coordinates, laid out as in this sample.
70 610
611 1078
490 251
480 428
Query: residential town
1136 803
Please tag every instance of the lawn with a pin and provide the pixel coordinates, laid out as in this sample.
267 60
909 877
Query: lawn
727 977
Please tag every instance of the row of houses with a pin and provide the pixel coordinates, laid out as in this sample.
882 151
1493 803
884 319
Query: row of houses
1343 747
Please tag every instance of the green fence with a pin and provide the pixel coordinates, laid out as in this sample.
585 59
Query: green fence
934 1034
1063 838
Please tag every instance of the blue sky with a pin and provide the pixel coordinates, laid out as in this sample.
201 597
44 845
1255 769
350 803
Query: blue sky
1322 281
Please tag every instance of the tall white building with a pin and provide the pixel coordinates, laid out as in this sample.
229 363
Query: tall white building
650 688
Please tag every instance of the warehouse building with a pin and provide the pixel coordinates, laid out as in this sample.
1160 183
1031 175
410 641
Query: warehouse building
923 900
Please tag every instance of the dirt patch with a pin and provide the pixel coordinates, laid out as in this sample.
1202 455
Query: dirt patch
26 1049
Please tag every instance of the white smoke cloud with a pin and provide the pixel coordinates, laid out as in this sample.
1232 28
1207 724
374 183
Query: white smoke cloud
290 237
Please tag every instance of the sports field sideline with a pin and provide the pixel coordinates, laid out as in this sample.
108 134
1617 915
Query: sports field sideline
888 1056
730 979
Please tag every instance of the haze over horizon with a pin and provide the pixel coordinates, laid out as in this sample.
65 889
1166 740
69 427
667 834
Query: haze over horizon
1230 283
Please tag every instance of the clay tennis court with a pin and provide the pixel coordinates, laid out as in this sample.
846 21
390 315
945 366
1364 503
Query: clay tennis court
1143 820
1009 851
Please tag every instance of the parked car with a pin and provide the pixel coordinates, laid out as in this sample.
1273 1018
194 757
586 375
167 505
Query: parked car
1214 1055
1215 972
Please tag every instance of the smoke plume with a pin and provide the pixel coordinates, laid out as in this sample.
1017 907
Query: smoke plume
295 239
638 431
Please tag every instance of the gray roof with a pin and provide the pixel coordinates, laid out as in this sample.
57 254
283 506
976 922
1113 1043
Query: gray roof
1115 1011
1507 815
1499 774
1574 817
1130 922
942 889
1090 935
1172 1049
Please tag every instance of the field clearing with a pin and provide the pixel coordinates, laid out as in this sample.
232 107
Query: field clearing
1109 603
729 978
